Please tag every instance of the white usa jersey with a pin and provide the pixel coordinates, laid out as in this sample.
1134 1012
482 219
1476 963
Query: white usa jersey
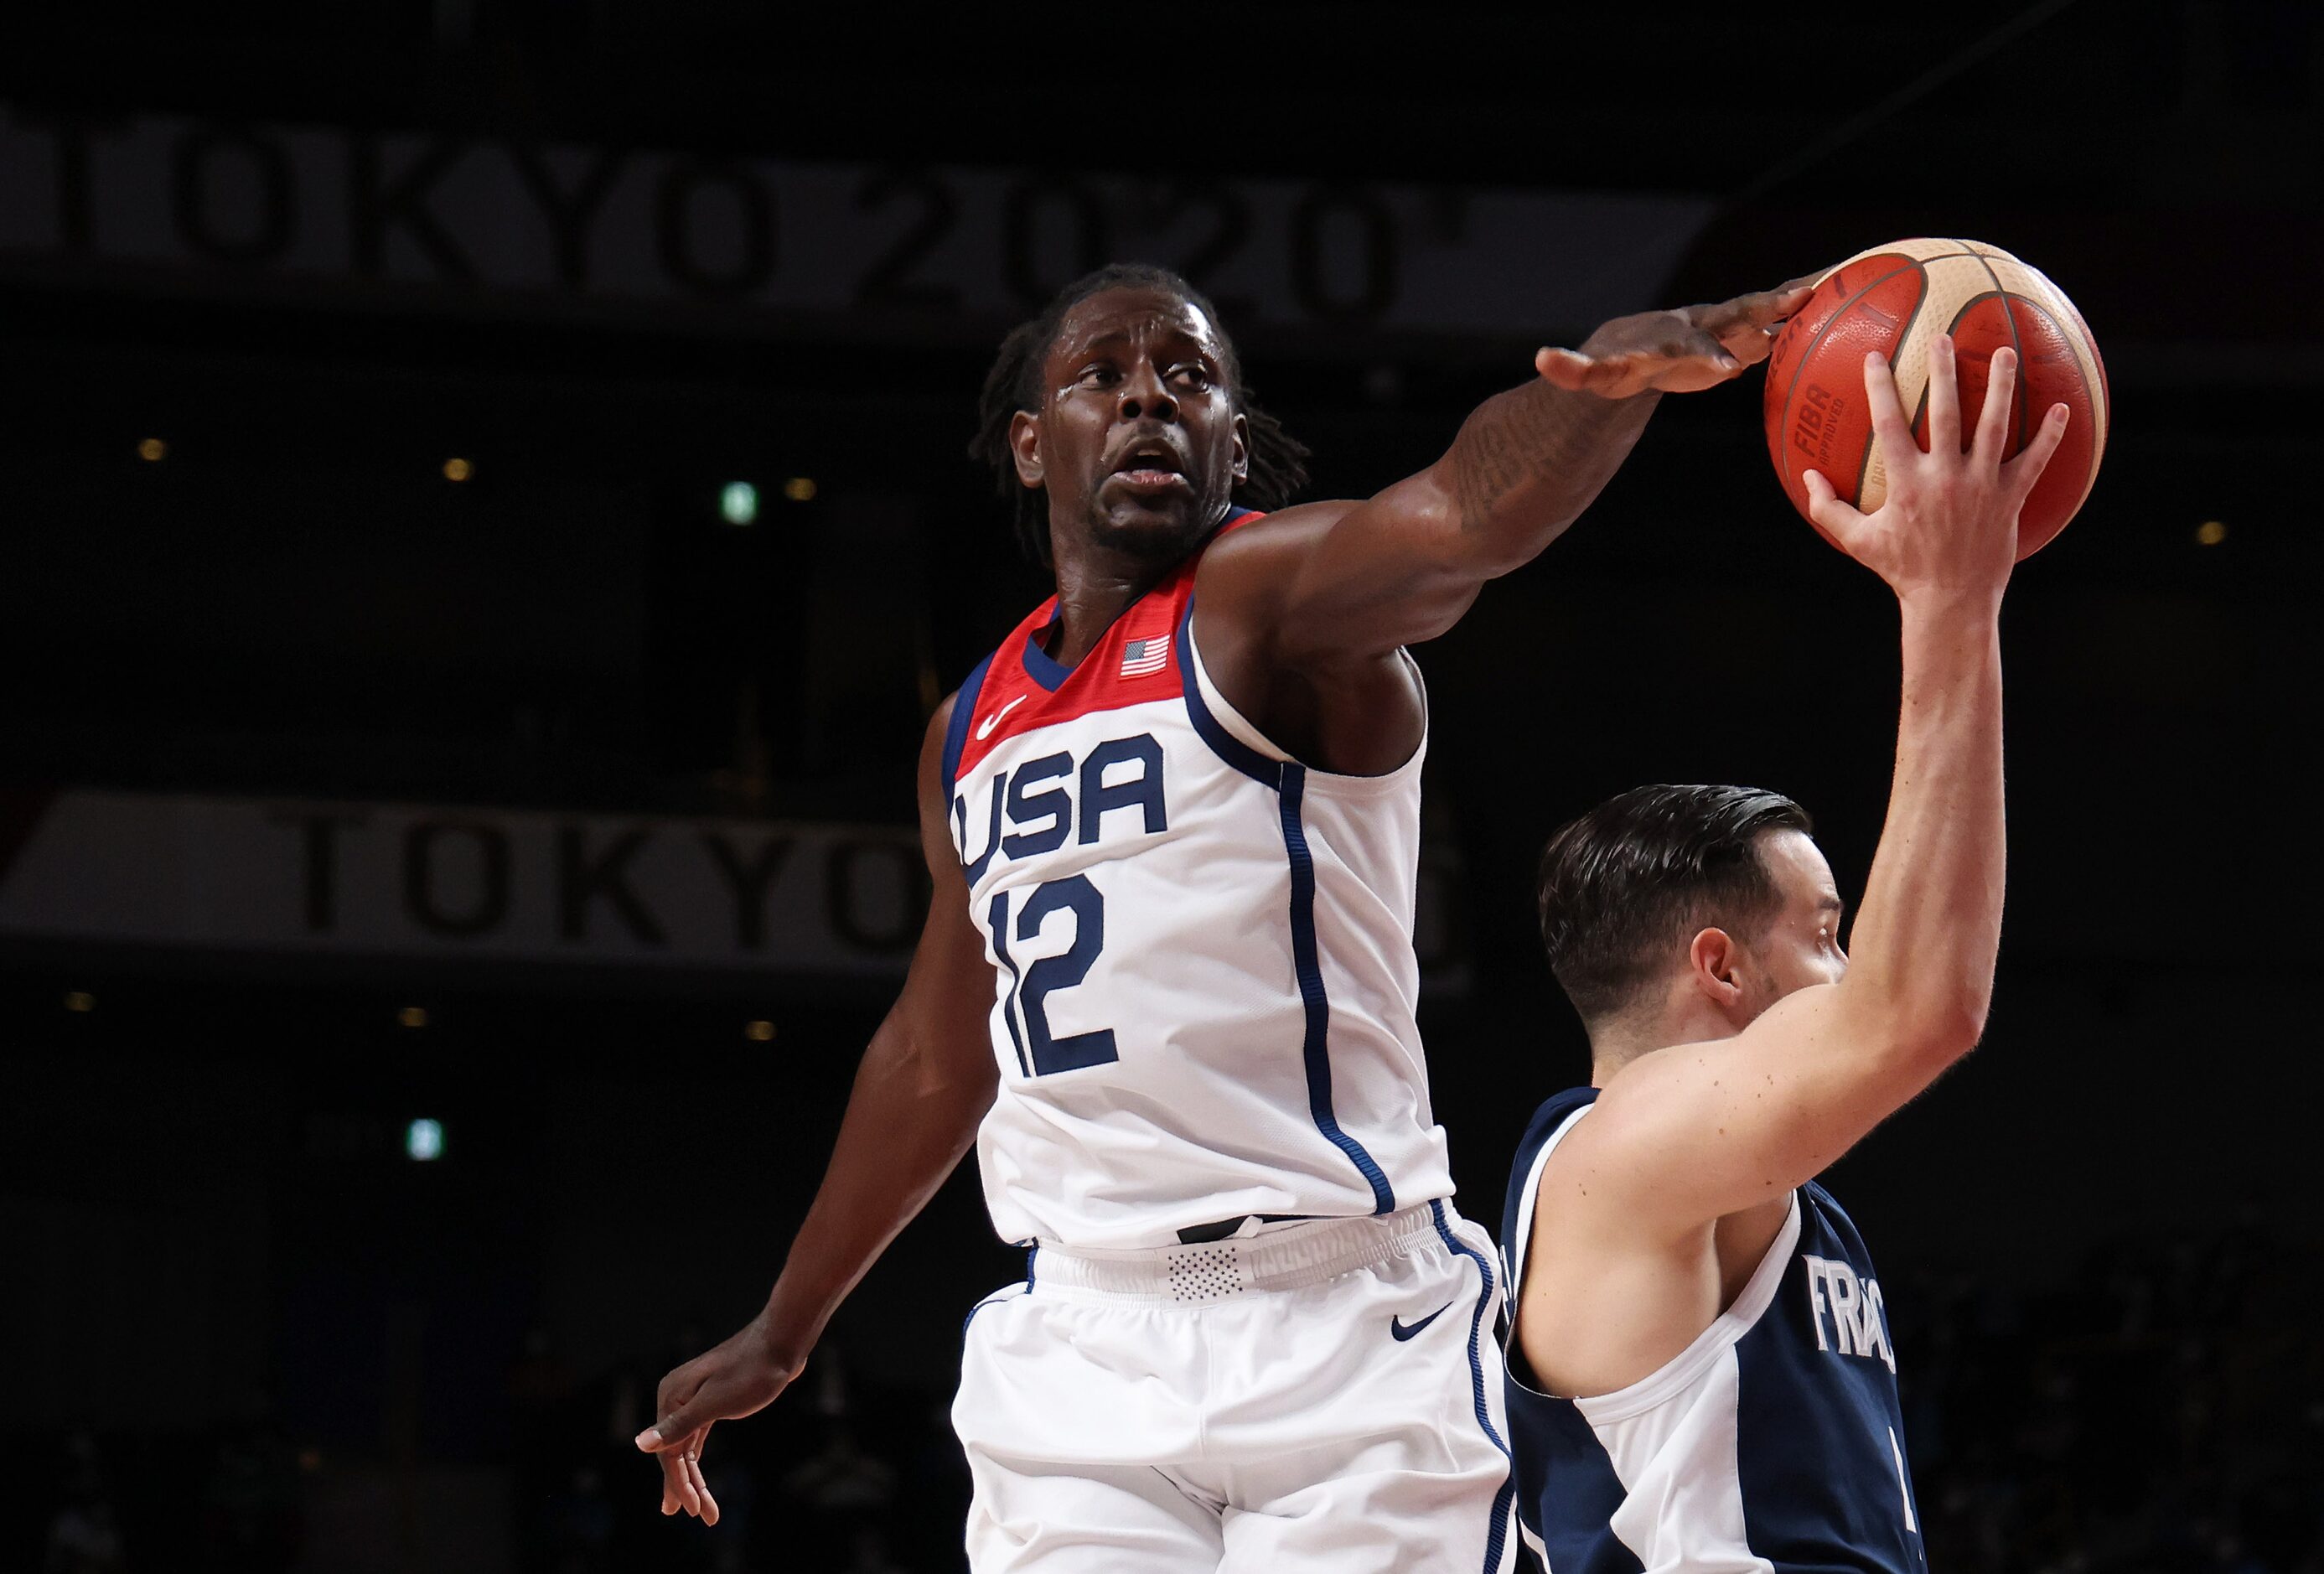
1202 949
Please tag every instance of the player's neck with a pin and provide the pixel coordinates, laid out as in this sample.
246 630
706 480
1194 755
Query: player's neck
1615 1042
1094 587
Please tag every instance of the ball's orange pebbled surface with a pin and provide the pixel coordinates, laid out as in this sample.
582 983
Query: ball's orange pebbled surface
1895 299
1816 416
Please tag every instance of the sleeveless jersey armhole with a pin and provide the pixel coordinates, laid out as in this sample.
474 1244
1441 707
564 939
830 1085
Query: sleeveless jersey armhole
1240 729
1681 1372
964 707
1519 1242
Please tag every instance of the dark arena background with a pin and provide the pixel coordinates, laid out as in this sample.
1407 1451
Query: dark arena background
485 521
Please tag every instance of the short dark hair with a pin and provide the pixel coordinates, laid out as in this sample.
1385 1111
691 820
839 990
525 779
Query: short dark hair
1643 872
1276 462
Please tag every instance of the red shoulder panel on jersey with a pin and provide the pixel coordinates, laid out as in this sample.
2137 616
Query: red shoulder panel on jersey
1132 664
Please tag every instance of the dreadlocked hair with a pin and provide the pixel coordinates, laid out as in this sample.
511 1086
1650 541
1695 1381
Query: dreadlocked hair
1276 462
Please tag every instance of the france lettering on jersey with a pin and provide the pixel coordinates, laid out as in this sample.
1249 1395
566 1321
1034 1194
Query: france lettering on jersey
1206 979
1773 1441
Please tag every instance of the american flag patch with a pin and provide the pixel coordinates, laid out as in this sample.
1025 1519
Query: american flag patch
1140 657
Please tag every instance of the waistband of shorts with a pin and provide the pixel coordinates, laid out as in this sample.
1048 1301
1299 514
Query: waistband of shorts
1290 1258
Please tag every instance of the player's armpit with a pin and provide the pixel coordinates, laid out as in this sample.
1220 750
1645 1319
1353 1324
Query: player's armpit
1691 1133
1352 705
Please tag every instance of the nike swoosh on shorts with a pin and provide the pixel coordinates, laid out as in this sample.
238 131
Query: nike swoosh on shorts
1401 1330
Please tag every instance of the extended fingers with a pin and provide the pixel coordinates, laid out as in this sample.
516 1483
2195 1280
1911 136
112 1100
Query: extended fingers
1565 368
1693 358
1762 308
674 1484
1748 344
1609 375
682 1483
706 1507
671 1439
1628 371
2021 472
1944 397
1993 421
1888 412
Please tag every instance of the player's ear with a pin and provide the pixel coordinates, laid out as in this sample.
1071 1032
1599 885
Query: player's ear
1714 965
1241 450
1025 446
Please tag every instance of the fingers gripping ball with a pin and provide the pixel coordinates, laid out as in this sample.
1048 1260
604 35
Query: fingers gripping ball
1895 300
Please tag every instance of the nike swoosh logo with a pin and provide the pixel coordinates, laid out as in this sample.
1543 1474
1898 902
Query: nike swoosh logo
1403 1330
984 727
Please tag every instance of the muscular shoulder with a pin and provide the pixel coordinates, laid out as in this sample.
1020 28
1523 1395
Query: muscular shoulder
1245 577
1250 559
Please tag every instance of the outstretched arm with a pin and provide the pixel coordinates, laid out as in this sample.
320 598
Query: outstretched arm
1759 1114
1323 582
925 1083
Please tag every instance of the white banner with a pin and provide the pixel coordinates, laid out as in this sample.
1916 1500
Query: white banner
271 876
854 248
410 880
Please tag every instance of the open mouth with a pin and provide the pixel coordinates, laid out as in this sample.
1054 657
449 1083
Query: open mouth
1151 466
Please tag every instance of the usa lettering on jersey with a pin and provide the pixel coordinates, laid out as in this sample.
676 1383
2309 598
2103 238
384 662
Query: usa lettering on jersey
1203 983
1060 796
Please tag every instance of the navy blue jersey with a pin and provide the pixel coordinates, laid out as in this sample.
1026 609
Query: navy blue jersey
1773 1441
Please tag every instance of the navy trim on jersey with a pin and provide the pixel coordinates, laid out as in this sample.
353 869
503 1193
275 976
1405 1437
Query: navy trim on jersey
1498 1533
1547 1117
1288 780
1267 772
1306 962
1041 665
1051 673
1579 1536
964 711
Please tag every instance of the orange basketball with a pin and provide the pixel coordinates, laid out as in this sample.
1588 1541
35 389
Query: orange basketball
1894 298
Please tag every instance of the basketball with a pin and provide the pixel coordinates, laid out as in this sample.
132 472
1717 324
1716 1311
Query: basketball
1896 299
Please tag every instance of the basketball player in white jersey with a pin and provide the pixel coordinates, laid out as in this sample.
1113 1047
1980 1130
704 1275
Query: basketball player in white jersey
1700 1373
1167 983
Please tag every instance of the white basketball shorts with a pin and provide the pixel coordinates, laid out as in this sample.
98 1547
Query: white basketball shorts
1324 1395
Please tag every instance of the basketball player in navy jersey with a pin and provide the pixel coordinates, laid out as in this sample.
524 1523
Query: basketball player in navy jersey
1701 1374
1167 983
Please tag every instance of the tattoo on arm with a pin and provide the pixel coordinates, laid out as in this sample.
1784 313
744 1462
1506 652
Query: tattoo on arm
1557 447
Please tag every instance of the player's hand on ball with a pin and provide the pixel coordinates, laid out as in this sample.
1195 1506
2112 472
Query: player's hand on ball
1675 352
1949 523
738 1379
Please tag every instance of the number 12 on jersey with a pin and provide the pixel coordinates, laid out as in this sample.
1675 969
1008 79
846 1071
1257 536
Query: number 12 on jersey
1029 990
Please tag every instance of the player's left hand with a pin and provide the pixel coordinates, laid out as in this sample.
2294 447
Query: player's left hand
740 1377
1677 352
